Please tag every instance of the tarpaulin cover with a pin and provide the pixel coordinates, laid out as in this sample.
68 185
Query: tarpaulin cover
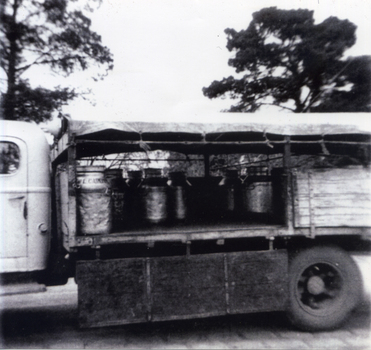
280 124
218 133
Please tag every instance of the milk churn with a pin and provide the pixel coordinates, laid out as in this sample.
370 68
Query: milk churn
230 193
178 195
135 178
132 196
257 194
94 206
154 194
118 186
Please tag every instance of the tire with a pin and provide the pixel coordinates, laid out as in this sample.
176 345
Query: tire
325 286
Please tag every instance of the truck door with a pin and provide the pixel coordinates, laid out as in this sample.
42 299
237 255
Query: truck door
13 198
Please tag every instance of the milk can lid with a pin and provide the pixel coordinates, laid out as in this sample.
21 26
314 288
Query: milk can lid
90 168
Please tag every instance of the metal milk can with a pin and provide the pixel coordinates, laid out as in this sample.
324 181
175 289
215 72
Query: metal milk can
154 194
118 189
94 205
230 192
178 195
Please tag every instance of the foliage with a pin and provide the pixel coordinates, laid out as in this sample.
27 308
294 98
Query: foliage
290 62
52 33
37 104
357 74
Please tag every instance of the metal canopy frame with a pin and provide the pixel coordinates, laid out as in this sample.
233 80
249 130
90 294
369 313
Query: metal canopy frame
320 137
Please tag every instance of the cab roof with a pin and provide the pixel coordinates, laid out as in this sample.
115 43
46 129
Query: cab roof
28 132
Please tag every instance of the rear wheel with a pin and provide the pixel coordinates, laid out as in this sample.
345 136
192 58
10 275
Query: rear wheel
324 287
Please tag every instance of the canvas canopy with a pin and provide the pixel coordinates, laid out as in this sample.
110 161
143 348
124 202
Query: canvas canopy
222 133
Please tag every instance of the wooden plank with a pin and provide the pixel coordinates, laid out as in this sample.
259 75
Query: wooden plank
341 230
339 174
183 234
324 178
345 187
336 215
333 197
338 210
335 220
257 281
359 200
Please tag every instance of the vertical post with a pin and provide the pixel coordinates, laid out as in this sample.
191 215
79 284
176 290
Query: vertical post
57 204
188 249
72 181
289 217
97 251
287 155
312 212
226 284
207 164
148 288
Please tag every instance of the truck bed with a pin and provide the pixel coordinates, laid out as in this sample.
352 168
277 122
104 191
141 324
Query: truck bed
193 232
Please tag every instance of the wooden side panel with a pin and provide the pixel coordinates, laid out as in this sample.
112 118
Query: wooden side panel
257 281
112 292
333 197
187 287
152 289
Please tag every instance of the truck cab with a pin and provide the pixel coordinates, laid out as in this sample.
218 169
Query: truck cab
25 204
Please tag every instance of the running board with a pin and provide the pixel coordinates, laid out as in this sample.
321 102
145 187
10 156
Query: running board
22 288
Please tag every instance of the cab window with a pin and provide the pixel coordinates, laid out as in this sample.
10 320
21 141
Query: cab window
9 158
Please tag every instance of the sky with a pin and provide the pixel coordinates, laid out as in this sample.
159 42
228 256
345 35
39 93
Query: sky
166 51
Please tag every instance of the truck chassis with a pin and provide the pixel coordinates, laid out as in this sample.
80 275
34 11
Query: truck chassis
297 263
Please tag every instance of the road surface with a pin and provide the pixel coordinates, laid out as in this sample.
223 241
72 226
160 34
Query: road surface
49 320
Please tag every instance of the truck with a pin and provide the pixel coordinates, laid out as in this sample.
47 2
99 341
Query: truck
158 221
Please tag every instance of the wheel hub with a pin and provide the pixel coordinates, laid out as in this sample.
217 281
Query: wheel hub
316 285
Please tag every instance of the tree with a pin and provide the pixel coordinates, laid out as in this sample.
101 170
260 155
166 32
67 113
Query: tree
52 33
290 62
352 92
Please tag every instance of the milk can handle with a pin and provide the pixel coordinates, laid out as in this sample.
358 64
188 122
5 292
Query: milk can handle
243 179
